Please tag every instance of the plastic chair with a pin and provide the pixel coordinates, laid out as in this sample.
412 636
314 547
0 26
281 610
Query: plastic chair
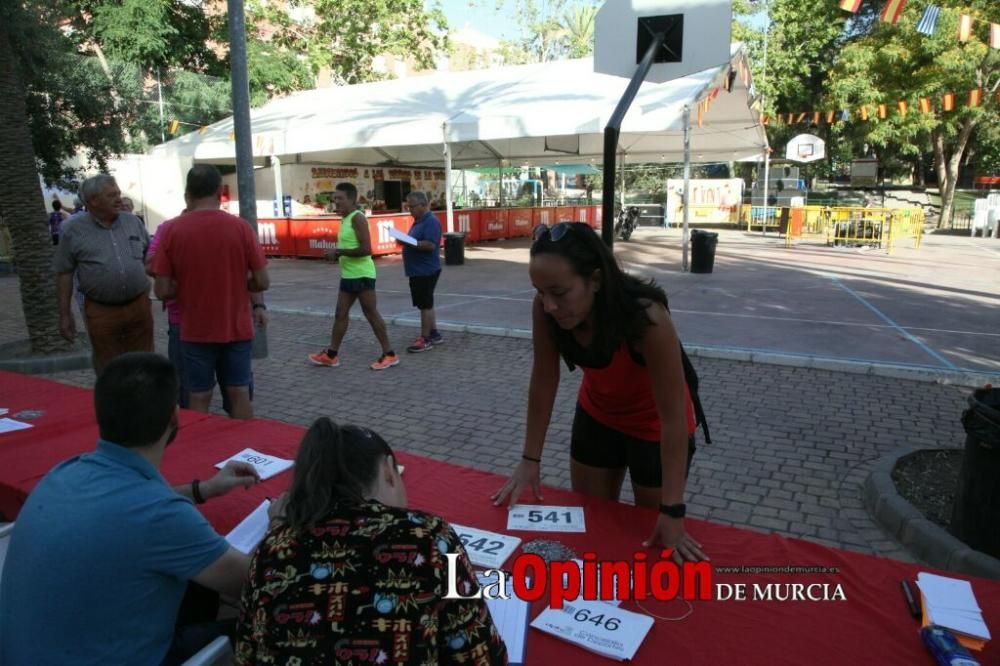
216 653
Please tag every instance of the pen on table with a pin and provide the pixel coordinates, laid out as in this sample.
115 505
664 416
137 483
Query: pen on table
910 600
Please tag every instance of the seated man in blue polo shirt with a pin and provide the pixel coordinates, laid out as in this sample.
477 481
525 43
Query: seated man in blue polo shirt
104 549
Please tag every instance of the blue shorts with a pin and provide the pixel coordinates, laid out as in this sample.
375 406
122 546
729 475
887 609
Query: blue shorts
356 285
231 361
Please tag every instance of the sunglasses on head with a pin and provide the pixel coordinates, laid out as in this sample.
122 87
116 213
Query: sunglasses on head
554 233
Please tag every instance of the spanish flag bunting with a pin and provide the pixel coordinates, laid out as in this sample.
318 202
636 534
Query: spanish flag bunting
864 112
903 107
892 10
802 116
925 104
765 119
715 93
202 129
831 117
882 111
174 126
701 116
948 102
850 5
815 118
232 136
791 118
964 27
975 97
995 35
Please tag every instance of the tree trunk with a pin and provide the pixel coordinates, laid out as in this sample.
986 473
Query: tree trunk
939 167
23 209
950 183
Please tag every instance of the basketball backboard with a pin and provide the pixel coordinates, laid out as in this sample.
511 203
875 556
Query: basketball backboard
805 148
697 36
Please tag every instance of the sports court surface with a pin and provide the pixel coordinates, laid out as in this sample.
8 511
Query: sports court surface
936 308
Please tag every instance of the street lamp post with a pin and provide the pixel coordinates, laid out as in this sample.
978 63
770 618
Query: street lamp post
767 146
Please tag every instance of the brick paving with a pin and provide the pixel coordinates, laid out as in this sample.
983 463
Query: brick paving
792 446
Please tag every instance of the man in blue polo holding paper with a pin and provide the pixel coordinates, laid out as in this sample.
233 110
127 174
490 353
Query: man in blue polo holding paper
422 263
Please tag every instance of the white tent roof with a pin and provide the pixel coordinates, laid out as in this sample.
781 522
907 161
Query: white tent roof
537 114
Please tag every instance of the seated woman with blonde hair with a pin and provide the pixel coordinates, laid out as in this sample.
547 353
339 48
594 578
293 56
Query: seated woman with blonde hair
350 575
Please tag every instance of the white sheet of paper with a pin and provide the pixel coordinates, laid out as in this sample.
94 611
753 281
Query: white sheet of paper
3 410
486 549
251 530
542 518
951 603
596 626
10 425
399 235
266 466
511 619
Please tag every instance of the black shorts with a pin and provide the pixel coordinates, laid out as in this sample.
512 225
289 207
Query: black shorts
422 290
597 445
356 285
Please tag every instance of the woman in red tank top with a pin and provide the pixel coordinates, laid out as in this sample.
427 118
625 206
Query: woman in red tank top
634 411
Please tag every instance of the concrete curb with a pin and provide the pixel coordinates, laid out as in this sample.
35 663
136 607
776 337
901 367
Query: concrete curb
858 367
928 542
78 359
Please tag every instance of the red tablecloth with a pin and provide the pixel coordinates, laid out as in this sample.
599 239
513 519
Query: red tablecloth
871 626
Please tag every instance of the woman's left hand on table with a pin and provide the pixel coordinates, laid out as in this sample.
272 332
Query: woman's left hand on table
670 533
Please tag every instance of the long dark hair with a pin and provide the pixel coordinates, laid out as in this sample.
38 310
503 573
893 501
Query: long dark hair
619 313
335 464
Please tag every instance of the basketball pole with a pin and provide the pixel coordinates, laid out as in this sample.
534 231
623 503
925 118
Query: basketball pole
611 134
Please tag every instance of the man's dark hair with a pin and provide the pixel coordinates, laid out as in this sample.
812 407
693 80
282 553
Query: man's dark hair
135 398
203 180
56 205
335 464
349 190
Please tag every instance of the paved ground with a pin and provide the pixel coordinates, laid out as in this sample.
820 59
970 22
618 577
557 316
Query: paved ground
934 308
792 445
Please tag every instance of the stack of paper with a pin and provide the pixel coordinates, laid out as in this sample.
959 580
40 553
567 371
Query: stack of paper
950 603
510 617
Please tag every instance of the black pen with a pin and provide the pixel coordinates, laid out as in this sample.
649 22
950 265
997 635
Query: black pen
910 600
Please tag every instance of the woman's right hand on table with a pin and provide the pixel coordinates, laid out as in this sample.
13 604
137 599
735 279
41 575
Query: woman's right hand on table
527 473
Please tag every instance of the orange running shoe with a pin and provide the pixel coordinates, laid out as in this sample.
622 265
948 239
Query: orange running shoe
385 361
324 359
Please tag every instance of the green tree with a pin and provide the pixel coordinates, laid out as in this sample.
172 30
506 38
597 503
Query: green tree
578 28
344 36
886 64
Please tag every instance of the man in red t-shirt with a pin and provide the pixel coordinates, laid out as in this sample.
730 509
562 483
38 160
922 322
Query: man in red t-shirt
203 261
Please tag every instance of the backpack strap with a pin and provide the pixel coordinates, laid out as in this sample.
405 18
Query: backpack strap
691 377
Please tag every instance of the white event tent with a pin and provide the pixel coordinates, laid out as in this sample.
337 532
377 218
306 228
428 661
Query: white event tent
527 114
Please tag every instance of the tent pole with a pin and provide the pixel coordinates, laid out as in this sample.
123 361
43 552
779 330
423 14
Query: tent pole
449 211
279 193
687 186
500 180
611 133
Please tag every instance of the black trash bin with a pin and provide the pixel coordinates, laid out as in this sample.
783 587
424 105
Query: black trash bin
454 249
703 250
976 514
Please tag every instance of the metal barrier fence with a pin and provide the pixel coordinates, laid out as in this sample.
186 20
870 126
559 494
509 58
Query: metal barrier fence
880 228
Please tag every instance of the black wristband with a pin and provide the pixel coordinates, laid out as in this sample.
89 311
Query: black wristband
534 460
196 492
673 510
259 306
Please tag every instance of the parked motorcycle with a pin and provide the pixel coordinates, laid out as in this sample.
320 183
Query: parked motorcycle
626 222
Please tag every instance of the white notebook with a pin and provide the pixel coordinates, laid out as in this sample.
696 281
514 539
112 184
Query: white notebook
251 530
951 603
511 619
